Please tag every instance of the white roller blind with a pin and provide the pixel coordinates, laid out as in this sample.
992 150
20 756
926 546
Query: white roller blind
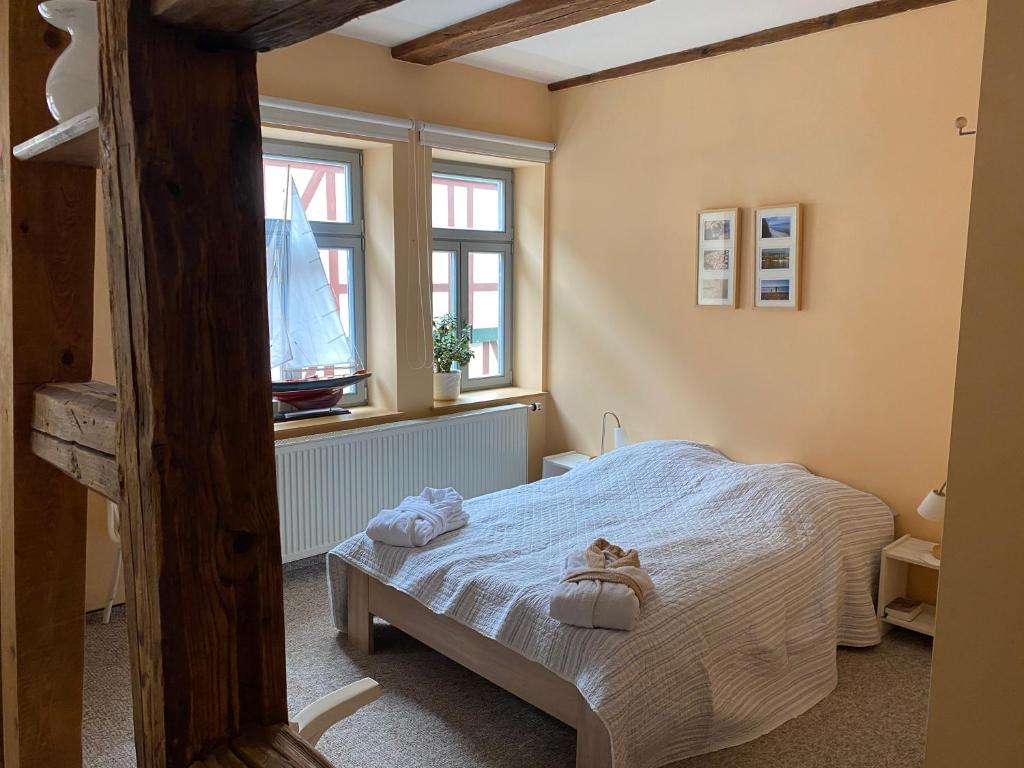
315 117
477 142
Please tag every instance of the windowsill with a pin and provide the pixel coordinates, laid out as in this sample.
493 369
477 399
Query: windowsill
361 416
482 398
368 415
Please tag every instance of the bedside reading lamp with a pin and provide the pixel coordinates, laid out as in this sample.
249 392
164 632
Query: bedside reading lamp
934 508
619 438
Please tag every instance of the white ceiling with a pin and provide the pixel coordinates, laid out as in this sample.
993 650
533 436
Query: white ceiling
663 26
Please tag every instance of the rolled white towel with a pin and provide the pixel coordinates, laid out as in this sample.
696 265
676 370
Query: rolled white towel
595 604
603 586
418 520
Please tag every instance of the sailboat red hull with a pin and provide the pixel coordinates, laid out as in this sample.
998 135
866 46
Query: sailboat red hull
295 385
307 399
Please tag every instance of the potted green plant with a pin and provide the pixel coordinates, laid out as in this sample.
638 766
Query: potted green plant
452 346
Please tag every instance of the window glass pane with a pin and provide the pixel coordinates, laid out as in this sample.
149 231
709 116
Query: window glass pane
337 266
442 292
486 299
464 202
325 188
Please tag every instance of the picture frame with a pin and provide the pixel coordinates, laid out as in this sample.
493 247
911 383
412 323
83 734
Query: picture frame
718 257
778 256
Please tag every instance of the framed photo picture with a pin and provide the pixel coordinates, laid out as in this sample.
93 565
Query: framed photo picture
718 241
777 256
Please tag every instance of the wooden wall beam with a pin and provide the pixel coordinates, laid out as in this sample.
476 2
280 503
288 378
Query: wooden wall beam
868 12
47 219
516 21
82 413
96 471
180 126
74 428
263 24
273 747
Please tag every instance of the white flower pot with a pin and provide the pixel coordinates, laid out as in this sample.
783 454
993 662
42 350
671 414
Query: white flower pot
73 85
447 385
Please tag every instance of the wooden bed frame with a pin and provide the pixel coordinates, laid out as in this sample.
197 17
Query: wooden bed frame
530 681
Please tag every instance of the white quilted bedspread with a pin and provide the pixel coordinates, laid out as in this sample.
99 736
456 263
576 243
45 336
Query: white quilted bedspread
760 570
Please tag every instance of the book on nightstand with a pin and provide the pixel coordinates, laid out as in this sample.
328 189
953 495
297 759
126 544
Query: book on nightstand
904 609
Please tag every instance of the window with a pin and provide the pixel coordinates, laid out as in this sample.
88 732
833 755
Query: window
471 264
329 182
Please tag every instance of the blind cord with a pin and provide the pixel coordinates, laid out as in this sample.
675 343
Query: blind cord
423 356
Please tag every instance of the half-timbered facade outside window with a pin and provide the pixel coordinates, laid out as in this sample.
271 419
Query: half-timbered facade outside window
471 265
329 182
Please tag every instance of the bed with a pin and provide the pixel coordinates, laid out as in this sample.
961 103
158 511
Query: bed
761 571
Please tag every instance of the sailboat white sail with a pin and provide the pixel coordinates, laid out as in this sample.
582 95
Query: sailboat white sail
306 333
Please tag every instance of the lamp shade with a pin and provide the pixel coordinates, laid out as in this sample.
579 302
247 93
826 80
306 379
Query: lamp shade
933 507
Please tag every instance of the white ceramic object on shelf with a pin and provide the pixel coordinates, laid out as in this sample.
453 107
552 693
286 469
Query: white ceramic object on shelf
73 85
447 385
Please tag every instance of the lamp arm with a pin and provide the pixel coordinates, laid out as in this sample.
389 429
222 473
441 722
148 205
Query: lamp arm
604 426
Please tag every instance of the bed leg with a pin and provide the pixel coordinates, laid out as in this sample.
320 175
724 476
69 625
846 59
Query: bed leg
360 620
593 747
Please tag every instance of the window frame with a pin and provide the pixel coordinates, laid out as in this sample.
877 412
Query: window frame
356 305
505 310
284 150
461 242
340 236
470 170
453 249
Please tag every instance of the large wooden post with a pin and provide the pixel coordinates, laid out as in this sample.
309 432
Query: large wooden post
47 233
180 129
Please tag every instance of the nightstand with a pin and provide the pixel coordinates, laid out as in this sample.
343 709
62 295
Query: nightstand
561 463
892 582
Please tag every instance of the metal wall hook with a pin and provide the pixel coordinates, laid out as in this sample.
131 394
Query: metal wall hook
961 123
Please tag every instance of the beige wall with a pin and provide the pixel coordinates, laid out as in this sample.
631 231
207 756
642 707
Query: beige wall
349 73
977 714
379 206
855 123
346 73
530 185
100 552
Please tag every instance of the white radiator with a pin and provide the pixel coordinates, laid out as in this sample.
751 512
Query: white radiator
329 486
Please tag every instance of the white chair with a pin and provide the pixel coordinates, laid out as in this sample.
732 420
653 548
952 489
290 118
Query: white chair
313 721
114 532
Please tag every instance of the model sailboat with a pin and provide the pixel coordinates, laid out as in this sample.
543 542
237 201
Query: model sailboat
312 358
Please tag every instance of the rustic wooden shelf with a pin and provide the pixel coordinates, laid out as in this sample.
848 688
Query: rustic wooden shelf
73 142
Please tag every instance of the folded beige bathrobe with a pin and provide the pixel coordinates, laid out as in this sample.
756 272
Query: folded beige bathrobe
603 586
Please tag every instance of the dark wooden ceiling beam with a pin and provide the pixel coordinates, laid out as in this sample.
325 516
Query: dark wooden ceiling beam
263 24
868 12
518 21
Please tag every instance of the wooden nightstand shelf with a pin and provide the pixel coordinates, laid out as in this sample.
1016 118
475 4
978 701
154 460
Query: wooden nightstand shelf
892 582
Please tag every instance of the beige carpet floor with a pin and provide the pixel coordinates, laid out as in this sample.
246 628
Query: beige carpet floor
434 713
